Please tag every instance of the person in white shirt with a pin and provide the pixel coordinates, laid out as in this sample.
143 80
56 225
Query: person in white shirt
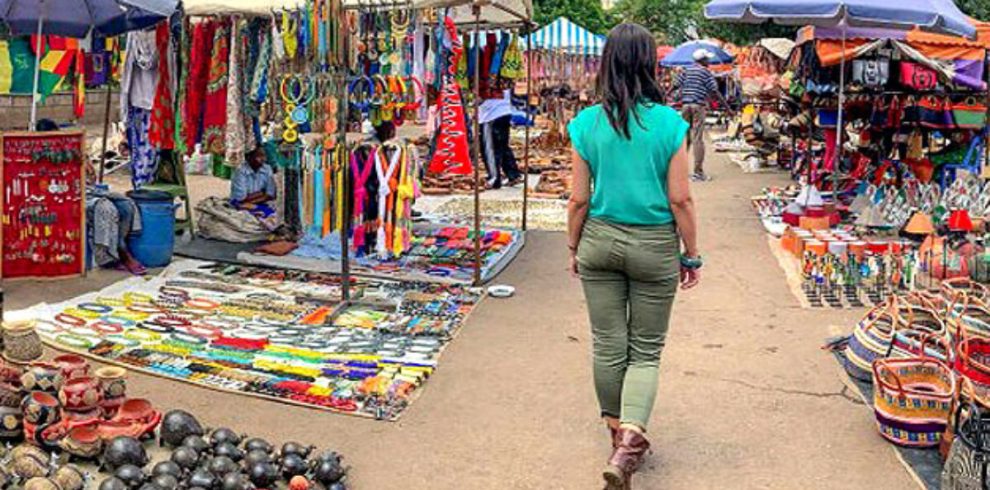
495 117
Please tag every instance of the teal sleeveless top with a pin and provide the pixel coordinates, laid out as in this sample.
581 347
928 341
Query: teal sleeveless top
629 176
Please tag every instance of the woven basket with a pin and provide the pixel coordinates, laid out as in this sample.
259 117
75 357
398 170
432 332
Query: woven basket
969 317
967 445
870 340
973 361
912 400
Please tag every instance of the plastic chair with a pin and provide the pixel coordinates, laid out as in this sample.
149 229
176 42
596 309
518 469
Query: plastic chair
971 163
171 179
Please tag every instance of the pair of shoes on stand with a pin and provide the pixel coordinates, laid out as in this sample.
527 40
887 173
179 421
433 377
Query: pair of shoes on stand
629 449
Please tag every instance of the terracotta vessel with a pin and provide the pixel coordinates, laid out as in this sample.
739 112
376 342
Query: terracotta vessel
72 365
82 394
21 342
40 483
11 423
75 419
29 466
113 383
10 372
136 410
42 376
83 442
41 408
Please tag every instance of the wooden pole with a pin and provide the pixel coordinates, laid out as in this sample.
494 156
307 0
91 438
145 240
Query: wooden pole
476 151
106 132
529 90
342 108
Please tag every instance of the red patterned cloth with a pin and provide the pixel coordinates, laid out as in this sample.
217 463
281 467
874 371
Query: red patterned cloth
199 68
215 115
161 134
452 154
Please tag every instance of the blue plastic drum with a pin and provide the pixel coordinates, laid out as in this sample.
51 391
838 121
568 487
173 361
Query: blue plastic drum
153 246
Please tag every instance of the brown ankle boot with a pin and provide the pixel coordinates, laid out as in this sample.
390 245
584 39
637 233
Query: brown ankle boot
626 459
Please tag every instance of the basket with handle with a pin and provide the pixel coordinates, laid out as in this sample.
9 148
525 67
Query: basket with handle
967 447
871 339
912 398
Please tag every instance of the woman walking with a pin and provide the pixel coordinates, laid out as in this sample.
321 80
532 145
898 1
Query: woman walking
632 236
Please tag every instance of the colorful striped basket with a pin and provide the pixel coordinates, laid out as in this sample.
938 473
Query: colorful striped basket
967 447
870 340
973 361
912 399
969 316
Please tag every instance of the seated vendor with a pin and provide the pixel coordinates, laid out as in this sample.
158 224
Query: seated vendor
252 187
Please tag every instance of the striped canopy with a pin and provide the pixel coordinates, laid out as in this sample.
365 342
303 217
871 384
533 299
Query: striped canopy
562 34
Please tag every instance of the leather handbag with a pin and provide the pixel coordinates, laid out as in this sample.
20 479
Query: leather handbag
968 452
871 73
969 114
870 340
917 77
912 399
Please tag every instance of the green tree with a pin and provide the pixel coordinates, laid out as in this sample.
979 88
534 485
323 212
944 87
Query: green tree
977 9
586 13
676 21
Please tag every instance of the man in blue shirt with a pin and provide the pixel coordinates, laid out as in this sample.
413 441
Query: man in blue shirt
696 85
252 186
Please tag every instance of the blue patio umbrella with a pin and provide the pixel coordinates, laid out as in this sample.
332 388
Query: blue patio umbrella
683 55
79 18
941 16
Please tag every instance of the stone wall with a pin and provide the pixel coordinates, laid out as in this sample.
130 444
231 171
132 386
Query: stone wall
15 110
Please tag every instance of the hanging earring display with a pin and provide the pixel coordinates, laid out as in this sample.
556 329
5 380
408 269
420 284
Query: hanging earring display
297 92
43 206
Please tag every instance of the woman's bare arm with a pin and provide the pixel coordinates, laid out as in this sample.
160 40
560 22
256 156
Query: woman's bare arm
577 206
682 206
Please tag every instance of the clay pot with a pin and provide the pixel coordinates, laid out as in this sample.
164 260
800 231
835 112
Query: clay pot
166 482
258 444
10 372
223 435
70 477
186 458
135 410
177 425
113 382
167 468
41 408
297 449
11 423
72 365
130 474
83 442
6 478
42 376
81 394
39 483
229 450
45 436
21 342
197 443
10 395
28 450
113 483
77 419
263 475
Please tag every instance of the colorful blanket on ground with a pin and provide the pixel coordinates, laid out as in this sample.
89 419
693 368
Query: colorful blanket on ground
277 334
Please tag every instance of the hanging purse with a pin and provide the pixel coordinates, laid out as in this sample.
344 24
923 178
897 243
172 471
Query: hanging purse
911 112
880 117
918 77
912 399
969 114
871 73
935 113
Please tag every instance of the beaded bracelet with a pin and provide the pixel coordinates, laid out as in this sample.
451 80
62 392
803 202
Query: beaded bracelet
131 299
143 335
123 341
130 316
202 304
146 308
74 341
156 327
108 301
105 327
69 319
189 339
119 320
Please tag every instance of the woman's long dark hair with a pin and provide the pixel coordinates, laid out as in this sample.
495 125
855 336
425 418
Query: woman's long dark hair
628 75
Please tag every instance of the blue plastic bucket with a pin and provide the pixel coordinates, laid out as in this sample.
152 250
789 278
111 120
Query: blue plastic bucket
153 246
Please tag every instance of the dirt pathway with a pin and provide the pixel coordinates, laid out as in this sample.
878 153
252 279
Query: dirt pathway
747 399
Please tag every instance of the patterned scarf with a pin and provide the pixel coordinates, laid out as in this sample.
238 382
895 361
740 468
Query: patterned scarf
215 115
196 81
451 153
162 132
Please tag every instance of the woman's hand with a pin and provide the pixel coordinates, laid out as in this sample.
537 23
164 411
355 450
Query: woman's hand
690 277
572 265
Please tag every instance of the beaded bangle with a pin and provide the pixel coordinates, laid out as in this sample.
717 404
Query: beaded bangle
173 291
108 301
47 327
142 335
105 327
119 320
189 339
157 327
131 316
74 341
70 319
123 341
170 321
202 304
146 308
201 331
81 313
96 308
131 299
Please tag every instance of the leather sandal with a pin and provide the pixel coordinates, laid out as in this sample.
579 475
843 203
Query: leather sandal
626 459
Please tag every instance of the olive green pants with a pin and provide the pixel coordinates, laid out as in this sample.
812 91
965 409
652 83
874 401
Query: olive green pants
630 277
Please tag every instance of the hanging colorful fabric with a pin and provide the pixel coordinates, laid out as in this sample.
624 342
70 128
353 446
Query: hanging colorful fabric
969 114
512 60
235 134
162 133
197 82
215 114
451 153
